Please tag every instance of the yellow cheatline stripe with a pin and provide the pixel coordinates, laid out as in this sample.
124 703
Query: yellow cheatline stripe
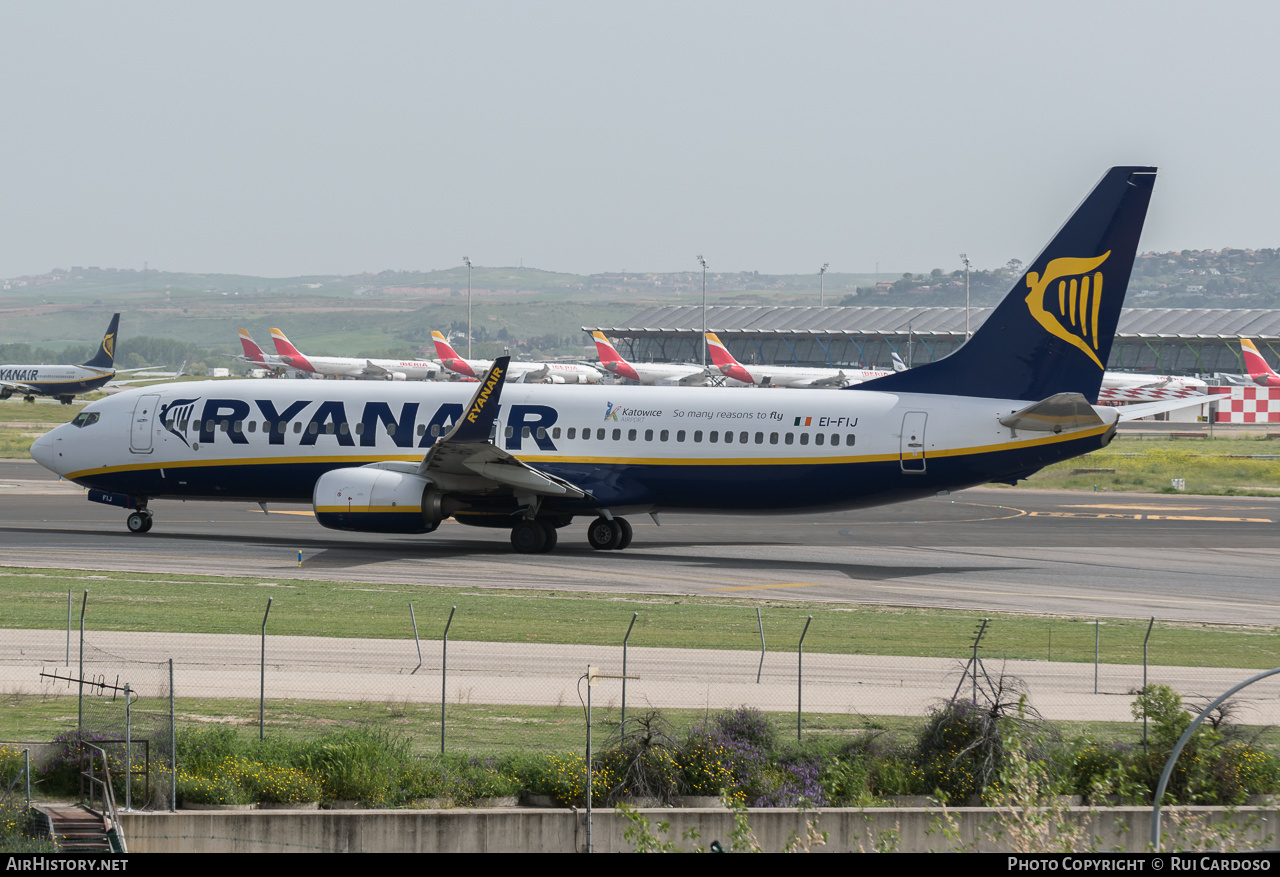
359 459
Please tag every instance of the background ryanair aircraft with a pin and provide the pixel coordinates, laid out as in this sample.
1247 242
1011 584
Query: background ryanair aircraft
400 458
63 381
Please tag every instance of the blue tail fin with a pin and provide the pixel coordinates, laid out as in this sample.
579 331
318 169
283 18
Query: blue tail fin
1053 331
106 356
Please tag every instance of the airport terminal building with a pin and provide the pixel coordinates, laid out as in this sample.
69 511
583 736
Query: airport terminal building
1161 340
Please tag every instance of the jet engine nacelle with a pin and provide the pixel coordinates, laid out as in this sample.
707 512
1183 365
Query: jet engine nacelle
368 499
396 376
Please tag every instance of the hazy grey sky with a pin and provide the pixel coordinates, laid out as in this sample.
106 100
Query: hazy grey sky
282 138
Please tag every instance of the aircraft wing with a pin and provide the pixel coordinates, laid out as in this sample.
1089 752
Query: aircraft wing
832 382
19 387
373 371
1147 409
466 460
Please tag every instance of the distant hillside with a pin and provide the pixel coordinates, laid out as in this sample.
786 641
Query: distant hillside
168 316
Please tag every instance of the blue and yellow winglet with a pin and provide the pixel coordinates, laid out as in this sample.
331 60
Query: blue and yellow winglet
476 424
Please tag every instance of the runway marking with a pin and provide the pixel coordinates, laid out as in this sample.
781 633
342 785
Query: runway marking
1095 515
1148 508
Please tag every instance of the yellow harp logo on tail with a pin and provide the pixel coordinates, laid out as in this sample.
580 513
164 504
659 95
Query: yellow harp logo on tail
109 345
1067 301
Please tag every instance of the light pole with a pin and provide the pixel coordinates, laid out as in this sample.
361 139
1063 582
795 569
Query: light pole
965 259
821 271
466 261
703 263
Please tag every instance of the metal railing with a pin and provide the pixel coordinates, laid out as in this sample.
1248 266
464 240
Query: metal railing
103 784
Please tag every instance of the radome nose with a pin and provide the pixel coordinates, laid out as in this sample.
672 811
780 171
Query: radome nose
42 451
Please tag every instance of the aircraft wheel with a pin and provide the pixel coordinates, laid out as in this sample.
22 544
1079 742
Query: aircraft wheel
604 535
528 537
625 526
552 538
146 527
138 522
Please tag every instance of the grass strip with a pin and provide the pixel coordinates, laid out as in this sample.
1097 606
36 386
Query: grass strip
126 601
477 729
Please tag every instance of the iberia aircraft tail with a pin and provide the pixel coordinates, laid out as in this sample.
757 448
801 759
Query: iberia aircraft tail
290 354
252 351
724 362
1259 371
449 357
611 360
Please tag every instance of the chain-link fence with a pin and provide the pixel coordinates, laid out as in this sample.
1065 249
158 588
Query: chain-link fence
473 692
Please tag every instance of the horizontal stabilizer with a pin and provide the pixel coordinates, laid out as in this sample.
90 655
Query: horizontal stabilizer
1057 413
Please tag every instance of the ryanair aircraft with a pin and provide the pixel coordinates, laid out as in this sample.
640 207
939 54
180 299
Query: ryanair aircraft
401 458
63 381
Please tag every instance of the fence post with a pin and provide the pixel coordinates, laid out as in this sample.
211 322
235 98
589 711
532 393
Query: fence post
623 724
444 674
761 625
1097 634
128 739
262 674
414 619
80 695
591 681
800 677
1145 640
173 747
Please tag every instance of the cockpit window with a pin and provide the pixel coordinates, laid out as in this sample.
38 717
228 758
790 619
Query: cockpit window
85 418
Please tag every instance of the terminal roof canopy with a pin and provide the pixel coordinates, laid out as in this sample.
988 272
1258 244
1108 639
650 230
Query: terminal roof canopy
1162 323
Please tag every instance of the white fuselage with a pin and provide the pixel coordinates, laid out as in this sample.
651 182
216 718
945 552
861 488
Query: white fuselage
798 376
352 367
633 448
526 372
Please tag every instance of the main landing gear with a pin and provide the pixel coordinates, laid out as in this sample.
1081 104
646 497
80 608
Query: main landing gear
607 534
533 537
538 536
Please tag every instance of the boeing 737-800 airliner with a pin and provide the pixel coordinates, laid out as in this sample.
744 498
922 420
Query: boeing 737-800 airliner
401 458
64 381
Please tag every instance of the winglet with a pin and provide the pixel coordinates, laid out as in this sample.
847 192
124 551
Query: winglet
475 426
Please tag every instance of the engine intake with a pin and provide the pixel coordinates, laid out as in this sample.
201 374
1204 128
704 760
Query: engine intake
367 499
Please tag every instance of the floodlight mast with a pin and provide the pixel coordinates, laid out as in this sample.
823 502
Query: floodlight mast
821 271
965 259
466 261
703 263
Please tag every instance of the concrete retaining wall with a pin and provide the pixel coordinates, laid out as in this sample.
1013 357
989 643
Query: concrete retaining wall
528 830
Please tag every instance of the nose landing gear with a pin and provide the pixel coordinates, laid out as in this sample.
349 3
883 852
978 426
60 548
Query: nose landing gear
139 521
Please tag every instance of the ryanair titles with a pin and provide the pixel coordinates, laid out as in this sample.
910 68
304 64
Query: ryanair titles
311 423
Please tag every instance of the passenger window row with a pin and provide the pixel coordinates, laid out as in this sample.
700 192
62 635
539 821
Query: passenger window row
698 436
572 433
